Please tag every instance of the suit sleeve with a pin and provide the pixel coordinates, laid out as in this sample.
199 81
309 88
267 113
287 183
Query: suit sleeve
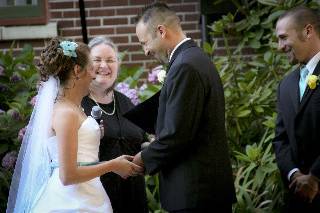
185 98
281 144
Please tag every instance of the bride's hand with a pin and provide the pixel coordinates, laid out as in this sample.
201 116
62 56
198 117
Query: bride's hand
125 168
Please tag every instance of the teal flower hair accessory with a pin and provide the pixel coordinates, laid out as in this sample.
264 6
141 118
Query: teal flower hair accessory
69 48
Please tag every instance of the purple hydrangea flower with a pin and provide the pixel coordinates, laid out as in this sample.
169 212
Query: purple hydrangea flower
130 93
122 87
2 111
15 78
21 133
14 114
143 87
1 70
153 75
9 160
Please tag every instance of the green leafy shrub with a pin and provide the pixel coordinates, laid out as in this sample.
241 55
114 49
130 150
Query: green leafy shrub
17 88
250 84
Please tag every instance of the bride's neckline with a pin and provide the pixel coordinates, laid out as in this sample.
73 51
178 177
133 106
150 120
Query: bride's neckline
81 125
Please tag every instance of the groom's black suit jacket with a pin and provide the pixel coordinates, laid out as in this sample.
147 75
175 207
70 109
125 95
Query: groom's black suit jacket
297 138
190 150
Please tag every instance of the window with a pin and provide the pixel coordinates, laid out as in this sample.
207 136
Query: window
23 12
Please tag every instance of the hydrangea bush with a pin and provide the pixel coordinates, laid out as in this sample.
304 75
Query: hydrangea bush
18 80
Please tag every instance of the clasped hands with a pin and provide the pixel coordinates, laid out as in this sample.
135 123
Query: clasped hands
129 165
304 186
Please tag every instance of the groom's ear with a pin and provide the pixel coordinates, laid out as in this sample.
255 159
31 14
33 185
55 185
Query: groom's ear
162 30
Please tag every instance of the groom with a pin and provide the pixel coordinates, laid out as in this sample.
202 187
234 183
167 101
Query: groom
190 151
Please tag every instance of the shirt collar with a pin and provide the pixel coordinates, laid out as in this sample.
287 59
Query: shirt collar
176 47
312 63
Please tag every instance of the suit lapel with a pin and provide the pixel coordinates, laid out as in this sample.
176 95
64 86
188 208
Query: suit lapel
295 97
306 96
183 46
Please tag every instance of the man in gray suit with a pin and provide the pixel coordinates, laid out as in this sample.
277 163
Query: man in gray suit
190 151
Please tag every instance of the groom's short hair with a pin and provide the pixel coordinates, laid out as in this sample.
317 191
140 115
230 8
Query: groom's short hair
158 13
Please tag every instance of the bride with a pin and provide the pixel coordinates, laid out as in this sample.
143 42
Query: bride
57 168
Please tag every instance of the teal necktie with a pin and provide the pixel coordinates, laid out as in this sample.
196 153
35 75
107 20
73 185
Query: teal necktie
302 83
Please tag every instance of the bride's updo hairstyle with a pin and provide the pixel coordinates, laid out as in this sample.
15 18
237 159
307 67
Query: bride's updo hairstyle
59 57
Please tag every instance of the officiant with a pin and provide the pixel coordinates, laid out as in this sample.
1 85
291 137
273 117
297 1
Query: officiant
120 135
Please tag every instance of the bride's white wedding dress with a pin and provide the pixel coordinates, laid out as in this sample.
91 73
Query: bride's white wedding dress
88 196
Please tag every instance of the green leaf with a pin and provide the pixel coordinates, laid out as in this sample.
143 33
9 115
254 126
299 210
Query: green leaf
207 48
243 113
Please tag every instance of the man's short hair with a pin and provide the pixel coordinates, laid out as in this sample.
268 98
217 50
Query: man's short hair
158 13
301 16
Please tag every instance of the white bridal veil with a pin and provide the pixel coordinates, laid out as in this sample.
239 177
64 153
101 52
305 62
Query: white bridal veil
32 169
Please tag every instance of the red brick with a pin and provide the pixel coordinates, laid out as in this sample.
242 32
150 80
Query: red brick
130 48
108 3
79 39
221 52
7 44
60 5
103 12
122 30
132 64
191 17
56 14
138 2
90 4
73 32
248 51
128 11
65 24
134 38
115 21
140 57
231 42
151 65
188 26
194 35
90 22
33 43
184 8
101 31
120 39
71 14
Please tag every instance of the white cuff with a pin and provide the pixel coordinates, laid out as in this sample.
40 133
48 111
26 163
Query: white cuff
291 173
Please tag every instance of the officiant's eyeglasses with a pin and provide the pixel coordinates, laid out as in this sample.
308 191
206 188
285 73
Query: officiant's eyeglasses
107 61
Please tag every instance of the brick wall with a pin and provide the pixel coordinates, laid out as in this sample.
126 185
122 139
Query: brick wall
113 18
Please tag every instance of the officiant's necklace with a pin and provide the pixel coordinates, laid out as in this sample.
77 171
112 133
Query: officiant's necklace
114 105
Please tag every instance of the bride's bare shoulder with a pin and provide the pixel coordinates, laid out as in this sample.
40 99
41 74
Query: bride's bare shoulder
65 115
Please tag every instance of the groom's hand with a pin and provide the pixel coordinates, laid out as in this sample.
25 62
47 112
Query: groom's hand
138 160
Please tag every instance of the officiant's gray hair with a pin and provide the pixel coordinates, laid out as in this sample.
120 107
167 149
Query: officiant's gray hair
104 40
158 13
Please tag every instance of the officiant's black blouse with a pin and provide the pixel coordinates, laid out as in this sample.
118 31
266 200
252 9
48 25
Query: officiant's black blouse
120 137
